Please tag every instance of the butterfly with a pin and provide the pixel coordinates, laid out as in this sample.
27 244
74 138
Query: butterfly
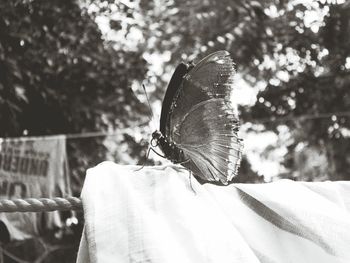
199 121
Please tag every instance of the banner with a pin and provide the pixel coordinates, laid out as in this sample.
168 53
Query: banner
32 167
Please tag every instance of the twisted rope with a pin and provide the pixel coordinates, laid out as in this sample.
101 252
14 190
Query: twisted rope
40 204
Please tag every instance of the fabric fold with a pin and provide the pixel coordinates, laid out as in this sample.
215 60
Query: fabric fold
157 215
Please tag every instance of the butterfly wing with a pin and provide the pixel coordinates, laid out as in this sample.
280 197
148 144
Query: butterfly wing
203 120
208 137
212 77
173 87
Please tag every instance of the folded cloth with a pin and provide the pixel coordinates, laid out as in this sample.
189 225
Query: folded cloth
161 215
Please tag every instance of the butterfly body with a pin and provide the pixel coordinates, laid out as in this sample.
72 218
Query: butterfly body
199 122
170 150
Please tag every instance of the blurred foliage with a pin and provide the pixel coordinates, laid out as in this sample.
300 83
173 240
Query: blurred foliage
309 76
57 75
298 52
246 174
60 74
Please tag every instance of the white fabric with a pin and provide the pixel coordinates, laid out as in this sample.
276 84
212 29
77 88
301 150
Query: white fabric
153 215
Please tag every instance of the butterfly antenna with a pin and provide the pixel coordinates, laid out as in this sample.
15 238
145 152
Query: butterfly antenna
149 104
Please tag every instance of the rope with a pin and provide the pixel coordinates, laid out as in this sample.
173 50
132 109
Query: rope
41 204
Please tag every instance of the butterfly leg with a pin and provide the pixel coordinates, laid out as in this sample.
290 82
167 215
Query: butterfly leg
190 174
190 177
147 155
179 168
157 153
186 161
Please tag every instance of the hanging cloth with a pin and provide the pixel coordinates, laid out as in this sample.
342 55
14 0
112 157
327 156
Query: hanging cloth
32 167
